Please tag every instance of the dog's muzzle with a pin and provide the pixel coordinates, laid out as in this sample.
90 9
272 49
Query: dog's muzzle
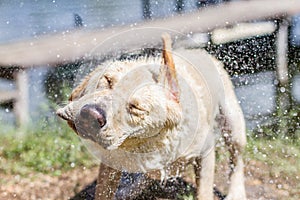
90 120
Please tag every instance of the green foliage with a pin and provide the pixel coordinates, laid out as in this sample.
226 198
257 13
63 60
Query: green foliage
48 149
285 126
59 81
188 197
283 156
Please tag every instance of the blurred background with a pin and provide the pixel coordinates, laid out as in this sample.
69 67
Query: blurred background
37 18
271 107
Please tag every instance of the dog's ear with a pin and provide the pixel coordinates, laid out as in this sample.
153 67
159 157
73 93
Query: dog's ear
167 70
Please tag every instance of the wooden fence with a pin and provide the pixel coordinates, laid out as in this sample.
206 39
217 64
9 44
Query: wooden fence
68 47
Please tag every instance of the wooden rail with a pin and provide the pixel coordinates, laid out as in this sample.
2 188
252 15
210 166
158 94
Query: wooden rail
70 46
8 95
65 47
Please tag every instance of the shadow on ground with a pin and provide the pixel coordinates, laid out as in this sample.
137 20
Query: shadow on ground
137 186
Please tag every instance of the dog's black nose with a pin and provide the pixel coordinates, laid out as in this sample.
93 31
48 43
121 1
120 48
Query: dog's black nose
93 116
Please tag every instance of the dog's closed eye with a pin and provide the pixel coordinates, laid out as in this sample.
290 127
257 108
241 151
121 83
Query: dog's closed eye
136 109
110 81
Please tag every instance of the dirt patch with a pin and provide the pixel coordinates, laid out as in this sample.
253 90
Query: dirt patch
260 184
45 187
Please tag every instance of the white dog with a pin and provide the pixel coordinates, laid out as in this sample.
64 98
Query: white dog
157 113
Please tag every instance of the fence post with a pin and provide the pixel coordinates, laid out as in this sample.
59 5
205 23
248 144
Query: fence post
21 102
283 89
146 9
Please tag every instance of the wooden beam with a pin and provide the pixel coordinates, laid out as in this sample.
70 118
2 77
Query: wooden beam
21 106
69 46
242 31
8 95
283 88
282 52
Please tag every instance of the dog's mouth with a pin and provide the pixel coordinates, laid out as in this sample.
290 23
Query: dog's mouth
119 142
107 139
132 139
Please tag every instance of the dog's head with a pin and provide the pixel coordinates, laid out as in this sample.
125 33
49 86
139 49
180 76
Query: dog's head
127 104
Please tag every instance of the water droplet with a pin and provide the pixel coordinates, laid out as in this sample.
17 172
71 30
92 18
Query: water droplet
72 164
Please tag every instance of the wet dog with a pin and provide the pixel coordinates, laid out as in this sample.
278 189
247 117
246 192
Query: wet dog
159 113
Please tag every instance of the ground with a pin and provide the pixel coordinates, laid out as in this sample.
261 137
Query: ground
56 166
260 184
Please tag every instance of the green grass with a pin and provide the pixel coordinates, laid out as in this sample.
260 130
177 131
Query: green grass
54 147
51 148
282 158
281 155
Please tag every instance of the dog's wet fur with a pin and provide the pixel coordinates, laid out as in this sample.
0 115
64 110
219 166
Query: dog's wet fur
155 107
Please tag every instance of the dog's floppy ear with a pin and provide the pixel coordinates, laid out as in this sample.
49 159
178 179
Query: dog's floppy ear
167 71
